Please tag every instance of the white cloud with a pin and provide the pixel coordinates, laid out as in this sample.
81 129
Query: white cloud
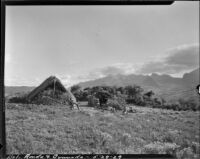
114 69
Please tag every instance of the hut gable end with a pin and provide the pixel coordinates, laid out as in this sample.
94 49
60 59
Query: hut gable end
51 83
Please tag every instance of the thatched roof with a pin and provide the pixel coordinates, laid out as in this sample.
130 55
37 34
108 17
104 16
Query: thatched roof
53 82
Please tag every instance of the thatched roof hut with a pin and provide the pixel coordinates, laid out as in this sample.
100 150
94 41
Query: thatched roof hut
53 84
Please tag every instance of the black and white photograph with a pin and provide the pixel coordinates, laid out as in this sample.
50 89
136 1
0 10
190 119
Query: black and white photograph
102 79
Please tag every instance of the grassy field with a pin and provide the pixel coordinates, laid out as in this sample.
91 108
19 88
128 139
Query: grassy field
57 129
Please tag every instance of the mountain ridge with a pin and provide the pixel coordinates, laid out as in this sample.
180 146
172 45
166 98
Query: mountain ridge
139 79
160 84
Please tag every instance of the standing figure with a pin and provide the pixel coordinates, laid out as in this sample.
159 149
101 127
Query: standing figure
72 104
125 110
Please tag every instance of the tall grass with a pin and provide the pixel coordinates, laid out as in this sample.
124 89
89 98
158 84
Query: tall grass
57 129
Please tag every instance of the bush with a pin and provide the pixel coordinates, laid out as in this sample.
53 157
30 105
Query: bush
182 104
130 101
118 102
115 104
172 106
160 148
17 100
138 100
186 153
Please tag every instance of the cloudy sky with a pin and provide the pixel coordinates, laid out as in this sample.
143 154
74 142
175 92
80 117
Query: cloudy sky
78 43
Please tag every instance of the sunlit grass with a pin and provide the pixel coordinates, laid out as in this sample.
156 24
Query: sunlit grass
57 129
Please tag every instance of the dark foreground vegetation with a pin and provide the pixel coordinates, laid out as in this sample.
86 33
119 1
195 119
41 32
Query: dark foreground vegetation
120 96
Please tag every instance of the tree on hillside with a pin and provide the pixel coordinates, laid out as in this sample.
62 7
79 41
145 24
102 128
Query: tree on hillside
75 88
121 90
103 96
77 92
110 89
95 89
149 94
133 91
88 90
159 101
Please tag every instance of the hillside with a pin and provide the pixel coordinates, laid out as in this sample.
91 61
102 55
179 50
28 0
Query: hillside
114 80
149 81
160 84
191 78
11 90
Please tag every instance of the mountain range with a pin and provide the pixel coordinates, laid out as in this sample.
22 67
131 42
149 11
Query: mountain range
164 84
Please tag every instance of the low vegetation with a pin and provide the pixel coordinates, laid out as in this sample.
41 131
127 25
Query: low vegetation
116 97
57 129
133 94
111 120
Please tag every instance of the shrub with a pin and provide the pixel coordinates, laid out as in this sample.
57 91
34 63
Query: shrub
183 104
130 101
17 100
138 100
133 91
75 88
158 101
196 147
186 153
118 102
160 148
115 104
